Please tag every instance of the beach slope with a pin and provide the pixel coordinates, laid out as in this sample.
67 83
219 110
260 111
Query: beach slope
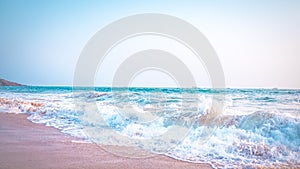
34 146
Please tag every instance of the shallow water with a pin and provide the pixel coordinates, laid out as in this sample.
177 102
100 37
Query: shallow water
228 128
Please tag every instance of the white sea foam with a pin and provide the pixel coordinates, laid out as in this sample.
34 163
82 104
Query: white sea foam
255 127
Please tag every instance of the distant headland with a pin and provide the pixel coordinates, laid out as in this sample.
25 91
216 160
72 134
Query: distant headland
4 82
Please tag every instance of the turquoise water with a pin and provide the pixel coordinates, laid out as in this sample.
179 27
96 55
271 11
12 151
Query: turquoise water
228 128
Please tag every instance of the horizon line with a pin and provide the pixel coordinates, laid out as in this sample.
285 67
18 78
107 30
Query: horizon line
174 87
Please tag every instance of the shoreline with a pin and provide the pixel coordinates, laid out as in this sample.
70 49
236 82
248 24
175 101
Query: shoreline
24 144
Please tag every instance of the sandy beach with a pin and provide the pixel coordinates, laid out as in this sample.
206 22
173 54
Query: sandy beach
26 145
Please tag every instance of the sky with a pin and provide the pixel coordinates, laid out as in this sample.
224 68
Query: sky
257 42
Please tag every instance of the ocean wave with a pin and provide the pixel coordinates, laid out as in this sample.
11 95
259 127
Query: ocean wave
18 106
251 128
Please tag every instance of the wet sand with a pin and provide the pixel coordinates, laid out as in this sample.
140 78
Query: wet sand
26 145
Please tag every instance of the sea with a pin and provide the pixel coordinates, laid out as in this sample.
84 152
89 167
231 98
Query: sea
227 128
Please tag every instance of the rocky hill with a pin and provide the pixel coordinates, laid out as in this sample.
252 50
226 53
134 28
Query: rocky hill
4 82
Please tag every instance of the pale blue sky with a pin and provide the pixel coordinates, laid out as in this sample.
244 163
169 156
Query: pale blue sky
258 42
